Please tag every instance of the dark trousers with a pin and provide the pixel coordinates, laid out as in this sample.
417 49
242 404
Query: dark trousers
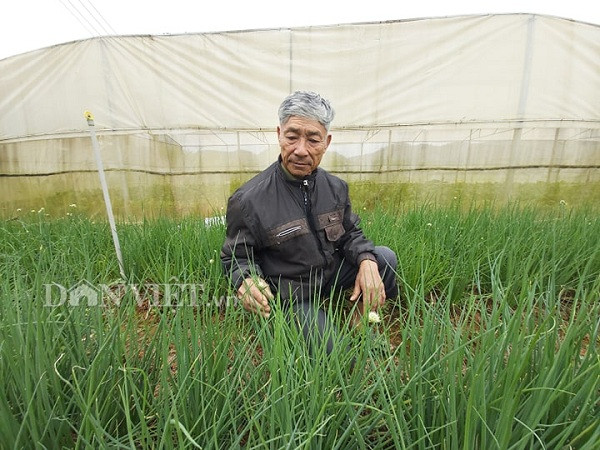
315 322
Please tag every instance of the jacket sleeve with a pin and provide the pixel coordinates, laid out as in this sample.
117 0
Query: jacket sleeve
238 252
355 246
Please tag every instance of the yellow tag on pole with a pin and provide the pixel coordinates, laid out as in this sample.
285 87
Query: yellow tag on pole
89 117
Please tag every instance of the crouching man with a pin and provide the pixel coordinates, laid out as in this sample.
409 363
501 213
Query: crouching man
291 229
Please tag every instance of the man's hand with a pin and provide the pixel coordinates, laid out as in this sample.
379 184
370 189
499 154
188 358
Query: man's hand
369 284
254 293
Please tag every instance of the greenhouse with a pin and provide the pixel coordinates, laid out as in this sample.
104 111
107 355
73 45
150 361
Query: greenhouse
496 105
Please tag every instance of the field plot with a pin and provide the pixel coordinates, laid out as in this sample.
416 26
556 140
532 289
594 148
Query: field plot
493 343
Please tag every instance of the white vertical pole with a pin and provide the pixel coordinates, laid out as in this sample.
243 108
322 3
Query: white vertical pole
111 219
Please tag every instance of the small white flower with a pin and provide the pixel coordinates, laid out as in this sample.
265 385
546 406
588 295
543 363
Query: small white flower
211 261
429 224
33 210
72 205
374 317
41 209
18 209
563 203
69 214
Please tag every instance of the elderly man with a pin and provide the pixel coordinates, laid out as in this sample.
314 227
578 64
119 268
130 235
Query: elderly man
291 229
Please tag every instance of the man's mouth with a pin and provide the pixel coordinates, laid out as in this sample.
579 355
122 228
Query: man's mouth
299 163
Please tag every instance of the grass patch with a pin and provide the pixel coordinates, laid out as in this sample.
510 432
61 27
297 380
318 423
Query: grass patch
492 344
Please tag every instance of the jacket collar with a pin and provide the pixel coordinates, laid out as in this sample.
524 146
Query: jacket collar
292 179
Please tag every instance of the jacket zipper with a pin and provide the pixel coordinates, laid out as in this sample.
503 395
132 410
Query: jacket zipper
309 216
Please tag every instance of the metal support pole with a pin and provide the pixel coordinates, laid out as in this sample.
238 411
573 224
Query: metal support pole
111 219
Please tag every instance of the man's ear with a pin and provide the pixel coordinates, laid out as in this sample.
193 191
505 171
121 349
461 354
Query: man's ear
278 132
328 141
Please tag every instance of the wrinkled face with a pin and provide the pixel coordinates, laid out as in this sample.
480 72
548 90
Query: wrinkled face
303 143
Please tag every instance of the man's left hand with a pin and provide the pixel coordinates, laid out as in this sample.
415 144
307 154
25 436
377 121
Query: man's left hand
370 285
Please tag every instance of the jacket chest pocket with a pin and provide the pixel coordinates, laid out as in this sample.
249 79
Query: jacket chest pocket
287 231
331 223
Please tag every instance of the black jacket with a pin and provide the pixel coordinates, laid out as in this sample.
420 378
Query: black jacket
292 233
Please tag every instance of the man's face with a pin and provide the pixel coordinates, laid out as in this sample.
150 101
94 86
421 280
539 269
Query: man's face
303 143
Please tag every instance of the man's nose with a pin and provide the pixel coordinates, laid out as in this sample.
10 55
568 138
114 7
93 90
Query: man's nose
301 147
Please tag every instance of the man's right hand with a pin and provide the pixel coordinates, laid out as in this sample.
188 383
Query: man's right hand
254 293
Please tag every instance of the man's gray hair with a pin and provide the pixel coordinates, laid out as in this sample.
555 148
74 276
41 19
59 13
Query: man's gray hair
307 104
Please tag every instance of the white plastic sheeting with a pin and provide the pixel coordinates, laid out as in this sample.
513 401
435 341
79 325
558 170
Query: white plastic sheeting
453 70
475 98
